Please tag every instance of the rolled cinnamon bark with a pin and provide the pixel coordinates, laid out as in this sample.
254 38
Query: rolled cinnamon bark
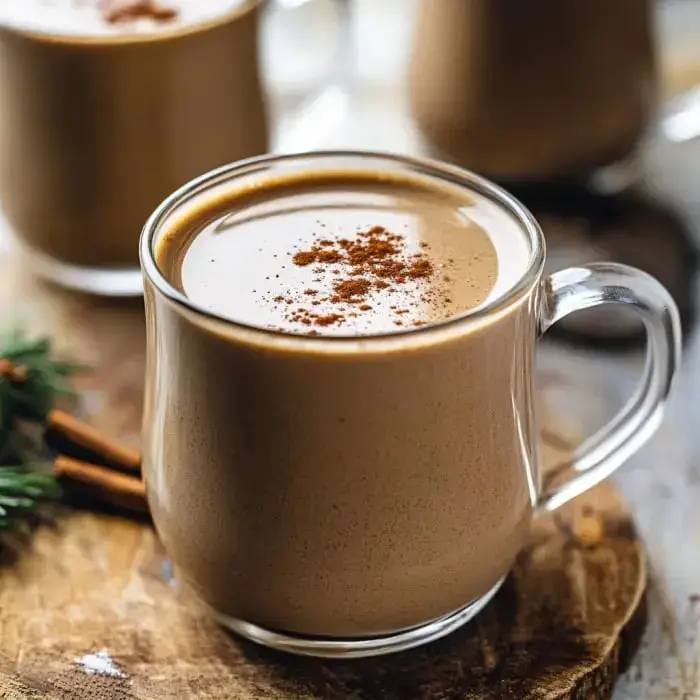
98 447
103 484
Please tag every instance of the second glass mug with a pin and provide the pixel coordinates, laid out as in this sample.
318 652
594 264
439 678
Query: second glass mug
403 559
534 91
97 129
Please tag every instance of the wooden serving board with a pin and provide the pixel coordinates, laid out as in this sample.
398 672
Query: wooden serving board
89 607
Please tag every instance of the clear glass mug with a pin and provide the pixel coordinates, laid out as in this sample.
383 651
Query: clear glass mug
534 91
97 129
251 437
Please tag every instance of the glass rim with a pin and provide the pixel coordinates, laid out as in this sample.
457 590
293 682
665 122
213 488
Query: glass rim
424 166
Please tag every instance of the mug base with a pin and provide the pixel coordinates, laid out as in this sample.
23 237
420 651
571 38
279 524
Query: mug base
355 648
99 281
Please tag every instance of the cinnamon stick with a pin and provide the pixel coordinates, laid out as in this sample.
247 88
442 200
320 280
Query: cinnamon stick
103 484
102 448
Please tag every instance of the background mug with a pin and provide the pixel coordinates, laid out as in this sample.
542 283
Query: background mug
100 123
340 496
534 91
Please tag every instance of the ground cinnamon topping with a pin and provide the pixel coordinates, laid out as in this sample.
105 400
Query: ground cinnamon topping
329 256
420 268
328 319
123 11
304 258
347 289
376 261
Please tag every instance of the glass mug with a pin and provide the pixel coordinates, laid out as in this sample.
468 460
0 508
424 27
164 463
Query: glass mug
534 91
326 495
98 128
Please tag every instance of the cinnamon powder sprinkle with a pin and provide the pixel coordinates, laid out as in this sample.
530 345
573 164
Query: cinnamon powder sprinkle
304 258
123 11
329 319
376 260
328 256
347 289
420 268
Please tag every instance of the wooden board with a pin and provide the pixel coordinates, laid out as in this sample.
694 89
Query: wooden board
95 592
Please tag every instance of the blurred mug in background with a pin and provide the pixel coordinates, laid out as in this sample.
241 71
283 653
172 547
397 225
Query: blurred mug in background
534 91
109 105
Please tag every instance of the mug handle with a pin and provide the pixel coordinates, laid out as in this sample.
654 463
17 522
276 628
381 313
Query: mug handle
322 112
598 284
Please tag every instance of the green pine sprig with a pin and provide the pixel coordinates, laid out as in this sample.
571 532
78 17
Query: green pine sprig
22 491
31 380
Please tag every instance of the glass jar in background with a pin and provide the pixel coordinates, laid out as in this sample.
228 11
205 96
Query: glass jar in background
533 91
101 115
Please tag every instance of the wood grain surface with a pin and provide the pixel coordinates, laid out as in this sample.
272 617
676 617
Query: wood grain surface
89 607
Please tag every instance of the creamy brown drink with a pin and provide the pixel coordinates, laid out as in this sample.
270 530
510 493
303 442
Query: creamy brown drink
109 105
294 529
339 436
336 256
533 90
